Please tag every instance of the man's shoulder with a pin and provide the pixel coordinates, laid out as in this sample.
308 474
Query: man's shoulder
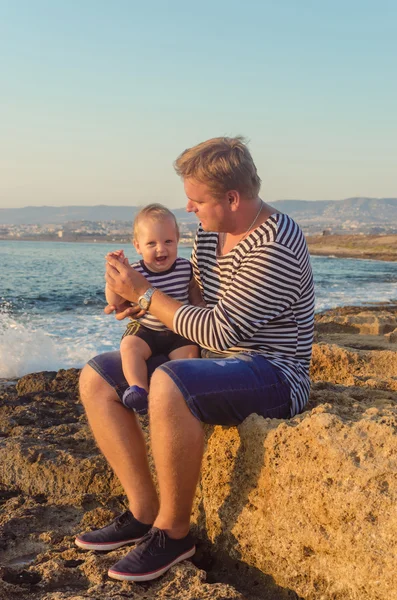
281 236
288 232
281 229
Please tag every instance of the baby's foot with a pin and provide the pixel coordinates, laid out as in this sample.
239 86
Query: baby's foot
135 398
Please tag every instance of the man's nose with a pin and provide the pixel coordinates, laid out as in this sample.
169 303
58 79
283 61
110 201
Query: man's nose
190 206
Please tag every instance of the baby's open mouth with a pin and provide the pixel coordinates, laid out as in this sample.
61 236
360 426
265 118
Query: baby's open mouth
161 259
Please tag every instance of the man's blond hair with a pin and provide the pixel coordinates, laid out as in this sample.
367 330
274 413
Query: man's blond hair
223 164
156 212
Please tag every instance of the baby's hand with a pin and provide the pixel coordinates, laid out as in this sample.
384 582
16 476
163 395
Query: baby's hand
118 254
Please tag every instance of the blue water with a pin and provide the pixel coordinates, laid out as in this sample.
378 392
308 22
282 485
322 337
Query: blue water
52 300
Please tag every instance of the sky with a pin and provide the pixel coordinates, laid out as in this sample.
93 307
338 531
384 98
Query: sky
98 98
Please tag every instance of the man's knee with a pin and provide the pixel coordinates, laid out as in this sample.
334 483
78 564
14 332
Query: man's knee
93 387
163 392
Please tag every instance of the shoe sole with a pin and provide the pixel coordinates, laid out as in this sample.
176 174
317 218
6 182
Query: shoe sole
105 546
152 574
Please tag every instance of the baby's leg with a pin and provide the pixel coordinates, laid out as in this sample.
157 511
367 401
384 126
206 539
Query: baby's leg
134 354
185 352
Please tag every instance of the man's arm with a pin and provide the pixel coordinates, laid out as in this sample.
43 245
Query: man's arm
264 287
127 283
267 283
195 296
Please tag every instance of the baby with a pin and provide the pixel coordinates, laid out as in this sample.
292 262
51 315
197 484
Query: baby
155 237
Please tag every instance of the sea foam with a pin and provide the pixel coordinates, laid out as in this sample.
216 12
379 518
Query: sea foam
25 350
26 346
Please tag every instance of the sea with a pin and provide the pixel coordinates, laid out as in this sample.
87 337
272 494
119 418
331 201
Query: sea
52 300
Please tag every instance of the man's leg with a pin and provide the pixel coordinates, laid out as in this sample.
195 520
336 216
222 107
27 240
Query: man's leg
177 439
184 393
120 439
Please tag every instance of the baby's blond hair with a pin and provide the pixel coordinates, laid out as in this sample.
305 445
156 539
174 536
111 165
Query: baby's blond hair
156 212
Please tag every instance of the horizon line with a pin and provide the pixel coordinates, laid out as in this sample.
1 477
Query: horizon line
181 208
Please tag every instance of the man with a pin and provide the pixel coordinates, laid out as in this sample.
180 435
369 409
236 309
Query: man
252 265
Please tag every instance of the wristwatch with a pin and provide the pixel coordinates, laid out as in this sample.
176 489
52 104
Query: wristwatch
146 298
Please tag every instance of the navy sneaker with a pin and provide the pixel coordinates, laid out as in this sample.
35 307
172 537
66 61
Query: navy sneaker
153 556
124 529
135 398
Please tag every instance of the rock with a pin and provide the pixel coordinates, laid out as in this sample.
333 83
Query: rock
375 321
35 382
63 381
354 367
87 581
53 484
392 336
310 501
375 247
346 353
48 566
285 509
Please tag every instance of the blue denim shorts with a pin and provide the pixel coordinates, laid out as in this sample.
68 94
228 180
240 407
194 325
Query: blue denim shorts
218 390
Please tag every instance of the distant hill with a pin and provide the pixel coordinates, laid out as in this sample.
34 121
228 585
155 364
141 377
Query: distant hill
363 210
327 212
41 215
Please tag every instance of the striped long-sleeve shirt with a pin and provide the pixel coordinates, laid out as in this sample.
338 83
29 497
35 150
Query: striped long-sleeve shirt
260 298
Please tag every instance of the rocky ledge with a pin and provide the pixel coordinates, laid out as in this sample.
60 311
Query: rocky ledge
304 508
374 247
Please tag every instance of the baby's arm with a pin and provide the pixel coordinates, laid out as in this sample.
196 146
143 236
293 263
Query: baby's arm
111 298
195 296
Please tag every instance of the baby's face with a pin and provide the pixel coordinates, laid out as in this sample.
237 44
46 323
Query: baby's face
157 242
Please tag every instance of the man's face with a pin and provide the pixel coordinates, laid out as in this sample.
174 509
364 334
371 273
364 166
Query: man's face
210 211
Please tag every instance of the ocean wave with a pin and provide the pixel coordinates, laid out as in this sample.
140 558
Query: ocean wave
36 342
52 302
24 349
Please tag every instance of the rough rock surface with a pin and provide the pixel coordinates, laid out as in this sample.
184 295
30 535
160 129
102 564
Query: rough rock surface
285 509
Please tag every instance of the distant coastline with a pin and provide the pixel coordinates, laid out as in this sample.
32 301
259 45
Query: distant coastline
78 239
371 247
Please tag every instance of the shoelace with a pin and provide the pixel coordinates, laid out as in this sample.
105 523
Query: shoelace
155 538
122 519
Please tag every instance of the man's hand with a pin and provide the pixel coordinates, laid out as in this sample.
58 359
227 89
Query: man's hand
123 280
124 310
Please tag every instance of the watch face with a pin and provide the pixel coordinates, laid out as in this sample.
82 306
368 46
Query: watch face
145 299
143 303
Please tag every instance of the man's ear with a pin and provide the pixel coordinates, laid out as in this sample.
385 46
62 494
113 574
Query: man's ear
233 197
136 245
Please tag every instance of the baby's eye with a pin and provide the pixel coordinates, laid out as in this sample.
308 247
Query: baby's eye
151 244
169 241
